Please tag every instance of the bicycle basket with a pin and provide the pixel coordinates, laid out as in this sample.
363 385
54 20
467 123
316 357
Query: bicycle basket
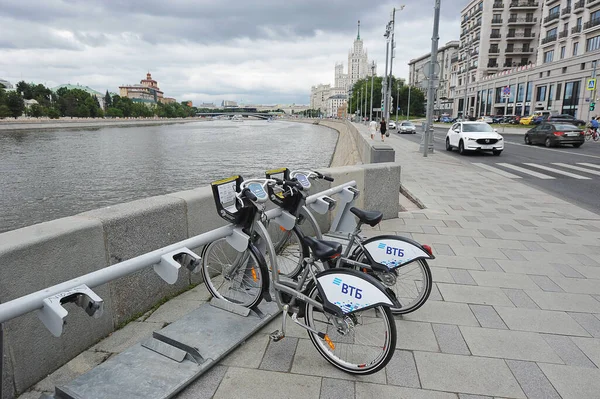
224 192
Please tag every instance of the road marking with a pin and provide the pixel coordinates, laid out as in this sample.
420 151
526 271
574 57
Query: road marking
579 168
552 149
526 171
589 165
496 170
560 172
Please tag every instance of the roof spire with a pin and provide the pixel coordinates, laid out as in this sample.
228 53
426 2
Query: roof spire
358 36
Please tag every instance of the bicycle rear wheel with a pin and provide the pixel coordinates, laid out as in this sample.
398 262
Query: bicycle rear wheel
411 283
364 345
236 277
289 249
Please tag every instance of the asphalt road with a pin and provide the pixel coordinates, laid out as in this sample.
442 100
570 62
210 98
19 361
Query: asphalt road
573 179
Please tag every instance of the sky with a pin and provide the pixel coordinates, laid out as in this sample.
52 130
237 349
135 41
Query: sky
253 52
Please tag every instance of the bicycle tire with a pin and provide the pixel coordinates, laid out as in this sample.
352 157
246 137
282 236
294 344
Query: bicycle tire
596 136
382 350
404 282
290 251
249 281
588 136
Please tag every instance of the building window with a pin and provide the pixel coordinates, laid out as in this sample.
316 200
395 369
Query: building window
550 95
595 15
571 98
551 32
548 56
564 70
593 43
547 73
562 52
541 93
558 89
579 22
582 66
529 92
575 48
554 10
520 92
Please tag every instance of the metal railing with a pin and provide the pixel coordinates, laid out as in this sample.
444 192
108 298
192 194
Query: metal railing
552 17
579 5
576 29
592 23
524 4
549 39
498 5
49 301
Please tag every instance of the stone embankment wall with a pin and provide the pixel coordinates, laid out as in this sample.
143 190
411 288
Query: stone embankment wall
42 255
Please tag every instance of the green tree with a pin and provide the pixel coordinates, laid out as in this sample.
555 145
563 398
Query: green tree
15 104
107 100
53 113
36 110
4 111
114 112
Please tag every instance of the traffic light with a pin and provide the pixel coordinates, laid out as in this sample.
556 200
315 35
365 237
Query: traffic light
382 106
592 106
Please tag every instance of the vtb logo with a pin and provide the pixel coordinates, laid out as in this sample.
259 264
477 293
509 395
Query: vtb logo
391 250
348 289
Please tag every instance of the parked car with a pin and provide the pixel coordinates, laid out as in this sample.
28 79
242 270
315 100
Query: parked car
554 134
474 136
445 119
514 120
564 118
526 120
407 127
486 119
498 119
392 125
538 119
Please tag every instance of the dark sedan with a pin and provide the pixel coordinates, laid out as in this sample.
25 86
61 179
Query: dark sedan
564 118
554 134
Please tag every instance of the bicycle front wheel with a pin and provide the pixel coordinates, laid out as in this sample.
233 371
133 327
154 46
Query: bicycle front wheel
411 283
236 277
290 251
588 136
359 343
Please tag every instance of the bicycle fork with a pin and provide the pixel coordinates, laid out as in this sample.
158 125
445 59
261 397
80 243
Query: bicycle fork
278 335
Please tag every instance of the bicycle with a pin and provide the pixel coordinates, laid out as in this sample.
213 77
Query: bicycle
592 134
336 304
398 262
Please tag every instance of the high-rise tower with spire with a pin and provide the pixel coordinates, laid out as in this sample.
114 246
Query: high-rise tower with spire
358 65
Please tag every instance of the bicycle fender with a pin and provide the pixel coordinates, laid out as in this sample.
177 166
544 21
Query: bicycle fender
345 291
394 251
262 263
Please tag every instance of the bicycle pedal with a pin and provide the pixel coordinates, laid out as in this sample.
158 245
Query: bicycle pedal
277 336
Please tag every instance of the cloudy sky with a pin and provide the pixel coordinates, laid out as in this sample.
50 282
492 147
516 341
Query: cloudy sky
257 51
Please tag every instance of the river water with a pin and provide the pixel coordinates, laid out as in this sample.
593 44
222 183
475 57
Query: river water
46 175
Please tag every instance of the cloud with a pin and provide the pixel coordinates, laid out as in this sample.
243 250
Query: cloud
265 51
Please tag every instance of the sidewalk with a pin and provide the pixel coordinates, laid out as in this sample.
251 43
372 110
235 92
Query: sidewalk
514 311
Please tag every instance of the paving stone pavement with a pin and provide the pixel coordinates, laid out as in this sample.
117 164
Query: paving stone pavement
514 312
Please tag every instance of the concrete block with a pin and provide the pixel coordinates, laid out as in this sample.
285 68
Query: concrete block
382 185
251 352
468 241
402 371
466 374
279 355
444 313
568 271
474 294
587 321
37 257
573 382
83 363
579 286
544 321
591 348
502 280
370 391
200 210
533 382
334 389
415 336
505 344
133 229
462 277
205 386
443 249
260 384
489 265
520 298
568 351
564 301
382 153
488 317
450 339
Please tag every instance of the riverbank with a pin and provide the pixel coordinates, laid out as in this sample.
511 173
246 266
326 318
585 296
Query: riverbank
77 123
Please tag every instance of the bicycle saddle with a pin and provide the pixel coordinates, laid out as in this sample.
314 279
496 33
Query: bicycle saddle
372 218
323 250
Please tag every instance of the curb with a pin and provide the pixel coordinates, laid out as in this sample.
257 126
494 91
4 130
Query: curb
404 191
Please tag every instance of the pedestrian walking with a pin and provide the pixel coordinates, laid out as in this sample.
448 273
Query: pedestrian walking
382 128
373 128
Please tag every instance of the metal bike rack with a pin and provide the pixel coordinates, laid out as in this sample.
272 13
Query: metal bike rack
343 221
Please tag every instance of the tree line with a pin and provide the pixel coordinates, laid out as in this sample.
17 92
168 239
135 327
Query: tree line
79 103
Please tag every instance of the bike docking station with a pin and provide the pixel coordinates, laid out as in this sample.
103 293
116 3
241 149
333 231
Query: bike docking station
173 357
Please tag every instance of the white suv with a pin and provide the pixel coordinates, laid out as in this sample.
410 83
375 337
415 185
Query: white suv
474 136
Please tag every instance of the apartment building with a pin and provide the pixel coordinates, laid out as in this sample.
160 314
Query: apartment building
496 35
417 73
568 48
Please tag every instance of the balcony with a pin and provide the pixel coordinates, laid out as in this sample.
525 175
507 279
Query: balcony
477 25
524 4
496 21
548 2
576 30
513 65
563 34
498 5
591 24
552 18
591 1
495 36
472 67
518 50
549 39
520 36
453 60
492 65
565 12
579 6
494 50
521 21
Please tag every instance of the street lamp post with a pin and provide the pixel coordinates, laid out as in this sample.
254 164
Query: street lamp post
431 80
469 50
397 99
365 97
408 107
371 107
384 86
390 30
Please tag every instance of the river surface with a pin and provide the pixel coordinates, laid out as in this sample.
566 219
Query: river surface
47 175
